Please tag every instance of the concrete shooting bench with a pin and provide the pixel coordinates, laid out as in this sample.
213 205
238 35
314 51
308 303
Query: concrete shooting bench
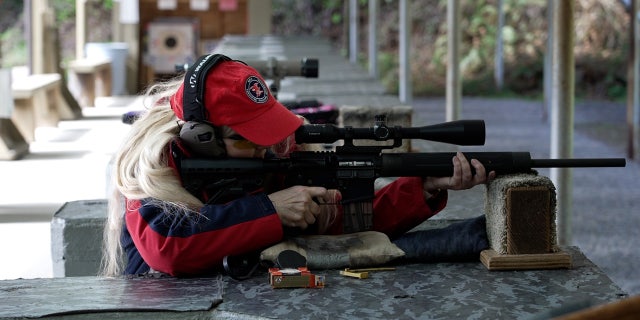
512 280
38 102
415 291
88 79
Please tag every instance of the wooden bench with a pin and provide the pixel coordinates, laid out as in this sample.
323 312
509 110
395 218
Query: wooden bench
88 79
38 102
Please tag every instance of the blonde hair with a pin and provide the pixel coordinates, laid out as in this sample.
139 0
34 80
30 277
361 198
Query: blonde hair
140 170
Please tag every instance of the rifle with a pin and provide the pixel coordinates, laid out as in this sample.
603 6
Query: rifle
353 169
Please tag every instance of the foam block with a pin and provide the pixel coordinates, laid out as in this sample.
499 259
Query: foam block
521 214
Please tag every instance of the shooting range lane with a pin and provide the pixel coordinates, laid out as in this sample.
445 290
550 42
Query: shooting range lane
443 290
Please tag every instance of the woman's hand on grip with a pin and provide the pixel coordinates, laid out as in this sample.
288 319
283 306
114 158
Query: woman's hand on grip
295 205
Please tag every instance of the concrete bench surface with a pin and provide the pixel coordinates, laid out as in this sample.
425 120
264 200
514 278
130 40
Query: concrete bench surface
24 88
440 290
88 65
37 102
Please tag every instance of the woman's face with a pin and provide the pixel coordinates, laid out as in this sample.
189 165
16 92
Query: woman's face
239 147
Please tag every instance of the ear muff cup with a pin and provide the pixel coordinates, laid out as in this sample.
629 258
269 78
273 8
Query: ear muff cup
202 139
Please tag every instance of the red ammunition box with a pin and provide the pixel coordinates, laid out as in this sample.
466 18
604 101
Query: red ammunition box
294 278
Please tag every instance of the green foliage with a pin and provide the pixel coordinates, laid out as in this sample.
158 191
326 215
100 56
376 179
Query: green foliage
65 10
336 18
601 41
386 65
12 40
14 48
10 12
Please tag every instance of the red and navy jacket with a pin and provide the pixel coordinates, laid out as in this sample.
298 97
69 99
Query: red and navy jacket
188 244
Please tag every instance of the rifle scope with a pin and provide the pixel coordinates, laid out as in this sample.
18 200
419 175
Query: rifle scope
460 132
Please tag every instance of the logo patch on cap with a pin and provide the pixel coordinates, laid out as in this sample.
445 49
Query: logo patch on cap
256 90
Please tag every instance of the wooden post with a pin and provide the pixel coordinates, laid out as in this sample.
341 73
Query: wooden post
66 104
81 27
38 8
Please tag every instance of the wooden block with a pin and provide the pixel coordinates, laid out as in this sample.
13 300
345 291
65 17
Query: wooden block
494 261
528 220
24 88
520 211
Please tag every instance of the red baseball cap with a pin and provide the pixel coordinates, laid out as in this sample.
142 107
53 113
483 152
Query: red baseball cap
238 97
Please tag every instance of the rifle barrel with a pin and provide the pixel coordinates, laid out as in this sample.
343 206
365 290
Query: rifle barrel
578 163
438 164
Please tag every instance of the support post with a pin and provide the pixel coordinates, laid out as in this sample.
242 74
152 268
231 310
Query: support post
81 27
562 113
633 107
498 71
405 90
454 85
353 31
373 38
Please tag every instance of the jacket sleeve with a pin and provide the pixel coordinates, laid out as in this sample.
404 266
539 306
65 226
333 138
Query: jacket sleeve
176 242
400 206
